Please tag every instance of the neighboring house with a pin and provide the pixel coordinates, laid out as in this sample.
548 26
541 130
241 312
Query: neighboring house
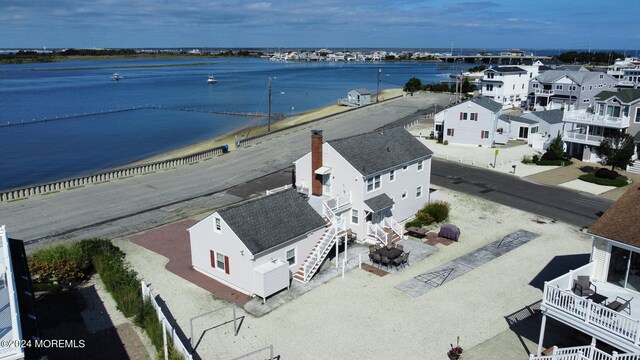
555 89
369 182
357 97
518 127
472 122
508 85
550 124
614 112
256 246
613 272
13 329
626 71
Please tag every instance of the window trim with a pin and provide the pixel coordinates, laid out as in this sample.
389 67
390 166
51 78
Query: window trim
374 182
357 217
392 175
419 192
225 262
420 165
217 224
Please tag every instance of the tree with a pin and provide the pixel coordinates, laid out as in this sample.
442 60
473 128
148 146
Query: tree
616 151
414 84
556 146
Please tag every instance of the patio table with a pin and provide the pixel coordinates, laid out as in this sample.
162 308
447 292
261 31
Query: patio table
389 253
597 298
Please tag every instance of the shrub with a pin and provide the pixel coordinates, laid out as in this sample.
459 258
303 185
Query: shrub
61 265
120 281
550 156
535 159
606 174
620 181
526 159
446 142
439 210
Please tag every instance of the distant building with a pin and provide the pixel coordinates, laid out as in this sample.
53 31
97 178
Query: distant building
508 85
357 97
554 89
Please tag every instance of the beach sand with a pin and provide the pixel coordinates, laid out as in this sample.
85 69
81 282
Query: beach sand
230 138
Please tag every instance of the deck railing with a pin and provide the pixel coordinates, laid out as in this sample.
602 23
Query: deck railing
585 138
586 352
583 117
558 295
336 204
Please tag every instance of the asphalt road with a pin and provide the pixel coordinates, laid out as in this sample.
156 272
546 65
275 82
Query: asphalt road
577 208
134 204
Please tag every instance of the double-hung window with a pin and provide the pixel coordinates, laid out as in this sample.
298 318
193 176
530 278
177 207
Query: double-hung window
392 176
373 183
291 256
419 191
420 165
218 225
354 216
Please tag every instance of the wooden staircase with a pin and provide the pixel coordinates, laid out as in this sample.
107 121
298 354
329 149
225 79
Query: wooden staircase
319 253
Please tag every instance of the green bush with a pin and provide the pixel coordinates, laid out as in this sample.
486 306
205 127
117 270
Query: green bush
620 181
59 265
439 210
119 280
526 159
446 142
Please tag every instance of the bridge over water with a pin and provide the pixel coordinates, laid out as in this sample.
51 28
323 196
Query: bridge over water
493 59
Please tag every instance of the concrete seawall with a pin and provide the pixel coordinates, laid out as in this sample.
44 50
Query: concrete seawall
105 176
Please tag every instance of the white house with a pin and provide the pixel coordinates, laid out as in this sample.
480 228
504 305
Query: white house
508 85
13 328
602 298
256 246
549 125
357 97
369 181
472 122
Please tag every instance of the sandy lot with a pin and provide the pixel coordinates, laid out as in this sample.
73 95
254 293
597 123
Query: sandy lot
364 316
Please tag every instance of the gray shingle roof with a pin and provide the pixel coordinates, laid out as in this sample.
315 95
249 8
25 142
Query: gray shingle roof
506 69
626 96
379 202
376 151
579 77
271 220
509 118
550 116
363 91
486 103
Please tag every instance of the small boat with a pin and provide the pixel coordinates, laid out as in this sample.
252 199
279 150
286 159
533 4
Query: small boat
116 77
211 80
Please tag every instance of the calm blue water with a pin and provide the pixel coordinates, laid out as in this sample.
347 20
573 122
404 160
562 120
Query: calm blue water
39 153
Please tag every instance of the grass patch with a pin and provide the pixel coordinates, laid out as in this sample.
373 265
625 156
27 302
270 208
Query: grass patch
619 182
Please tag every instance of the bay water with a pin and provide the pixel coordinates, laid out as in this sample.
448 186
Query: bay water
34 151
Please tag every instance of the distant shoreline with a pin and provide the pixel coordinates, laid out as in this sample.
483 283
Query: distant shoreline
230 138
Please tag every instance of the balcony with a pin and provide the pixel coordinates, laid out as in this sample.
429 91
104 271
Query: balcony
544 92
583 117
576 136
336 205
619 329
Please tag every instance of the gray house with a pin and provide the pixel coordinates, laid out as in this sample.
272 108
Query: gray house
357 97
555 89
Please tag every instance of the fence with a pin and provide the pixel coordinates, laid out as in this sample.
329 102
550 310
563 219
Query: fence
178 345
101 177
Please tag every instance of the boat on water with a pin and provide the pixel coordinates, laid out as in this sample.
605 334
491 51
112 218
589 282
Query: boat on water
116 77
211 80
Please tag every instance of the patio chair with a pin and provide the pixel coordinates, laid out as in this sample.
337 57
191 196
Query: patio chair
620 304
385 261
405 258
372 249
397 262
582 286
375 258
400 247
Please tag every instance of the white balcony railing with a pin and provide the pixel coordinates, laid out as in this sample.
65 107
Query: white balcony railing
377 232
583 117
586 352
544 91
614 327
577 137
336 205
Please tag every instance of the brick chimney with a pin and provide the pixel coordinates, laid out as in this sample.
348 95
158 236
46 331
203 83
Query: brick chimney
316 162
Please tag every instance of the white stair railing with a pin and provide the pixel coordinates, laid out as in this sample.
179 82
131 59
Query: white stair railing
377 232
586 352
392 224
335 204
329 238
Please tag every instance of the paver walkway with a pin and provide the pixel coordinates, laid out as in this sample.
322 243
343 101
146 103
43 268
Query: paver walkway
421 284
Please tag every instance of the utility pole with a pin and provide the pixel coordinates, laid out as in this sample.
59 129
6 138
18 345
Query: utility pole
269 120
378 90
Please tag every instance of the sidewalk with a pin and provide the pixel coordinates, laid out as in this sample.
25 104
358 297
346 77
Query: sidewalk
509 160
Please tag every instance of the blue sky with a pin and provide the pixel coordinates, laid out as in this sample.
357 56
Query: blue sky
531 24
